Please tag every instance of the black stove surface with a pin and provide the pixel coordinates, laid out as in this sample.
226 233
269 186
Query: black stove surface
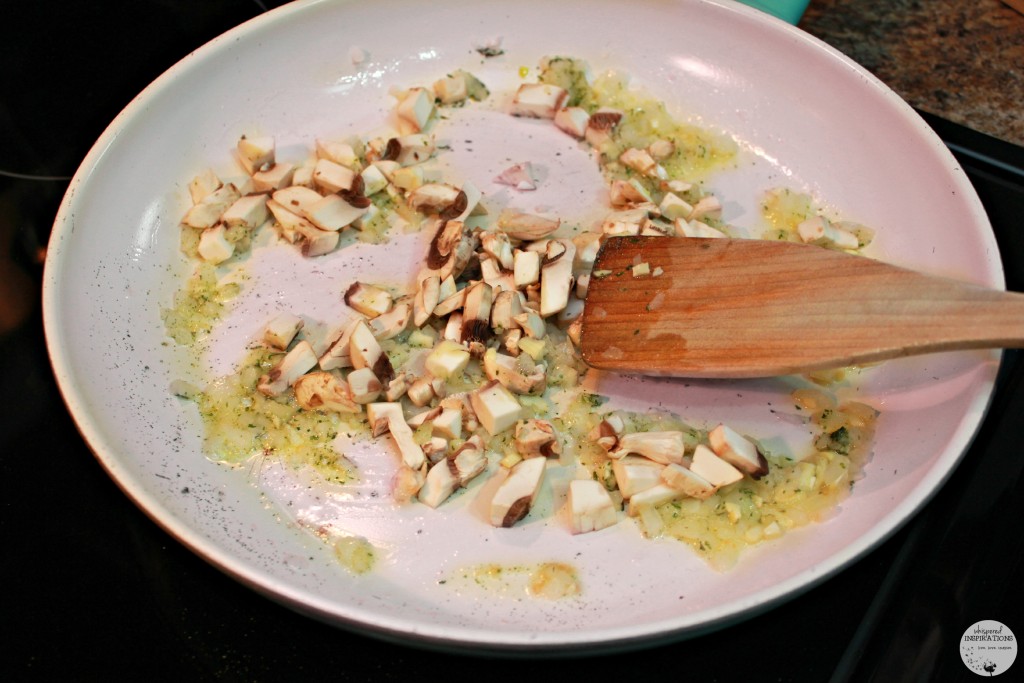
94 590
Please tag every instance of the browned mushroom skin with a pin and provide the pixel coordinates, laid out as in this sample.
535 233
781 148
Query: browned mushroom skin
447 236
762 466
516 512
456 208
604 120
383 369
391 150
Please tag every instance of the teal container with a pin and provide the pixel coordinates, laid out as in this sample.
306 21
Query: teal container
787 10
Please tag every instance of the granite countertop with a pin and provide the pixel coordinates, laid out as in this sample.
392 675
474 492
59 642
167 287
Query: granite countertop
963 61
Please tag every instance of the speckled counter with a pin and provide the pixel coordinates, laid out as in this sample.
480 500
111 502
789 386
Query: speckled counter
963 61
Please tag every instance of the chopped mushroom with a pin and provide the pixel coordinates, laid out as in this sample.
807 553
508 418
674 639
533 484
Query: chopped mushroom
369 300
664 447
214 246
537 438
207 212
519 375
392 323
514 497
716 470
295 364
453 472
280 331
635 473
573 120
687 481
365 386
412 454
255 153
590 506
538 100
556 276
525 226
738 451
416 108
495 407
324 391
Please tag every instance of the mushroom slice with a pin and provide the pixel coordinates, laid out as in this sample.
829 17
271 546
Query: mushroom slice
296 198
717 471
374 179
339 352
537 439
664 447
601 126
507 305
426 300
451 249
707 206
341 153
294 365
695 228
363 346
324 391
673 207
453 328
407 483
526 267
433 198
274 178
421 418
204 184
249 211
525 226
280 331
364 385
819 230
639 160
332 177
538 100
391 414
497 245
519 375
556 276
738 451
448 423
687 481
288 221
573 120
369 300
453 472
476 313
316 242
451 89
435 449
206 213
420 392
514 497
416 108
606 433
495 407
392 323
590 506
397 387
412 149
652 497
214 246
450 304
491 273
333 213
628 193
532 324
634 473
255 153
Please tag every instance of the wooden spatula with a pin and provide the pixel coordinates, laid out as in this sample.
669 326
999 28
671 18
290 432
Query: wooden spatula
752 308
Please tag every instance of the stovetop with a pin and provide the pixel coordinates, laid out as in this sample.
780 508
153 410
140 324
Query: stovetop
94 589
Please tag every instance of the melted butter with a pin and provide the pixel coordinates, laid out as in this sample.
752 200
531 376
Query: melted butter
546 580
